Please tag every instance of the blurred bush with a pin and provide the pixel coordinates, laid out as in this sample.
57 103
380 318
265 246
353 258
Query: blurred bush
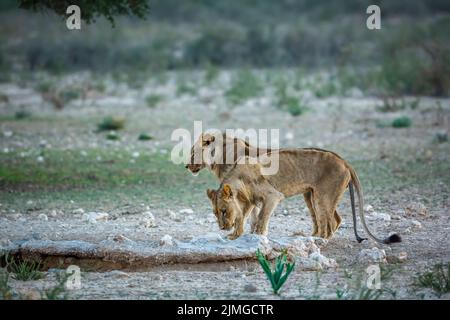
409 55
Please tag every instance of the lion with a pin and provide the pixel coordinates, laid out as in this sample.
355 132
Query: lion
321 176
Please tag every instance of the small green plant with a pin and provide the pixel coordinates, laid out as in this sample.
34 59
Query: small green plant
245 85
22 114
401 122
58 292
438 278
184 88
153 100
276 277
440 137
212 72
23 270
356 289
44 87
291 104
111 123
144 137
69 94
112 136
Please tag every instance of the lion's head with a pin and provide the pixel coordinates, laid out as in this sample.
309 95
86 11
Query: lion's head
226 206
197 161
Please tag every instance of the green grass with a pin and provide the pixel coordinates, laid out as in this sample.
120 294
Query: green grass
57 292
100 178
20 115
286 102
23 270
153 100
356 289
401 122
245 86
144 137
438 278
184 88
112 136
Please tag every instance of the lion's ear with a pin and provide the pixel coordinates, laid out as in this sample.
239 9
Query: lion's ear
207 139
227 193
211 193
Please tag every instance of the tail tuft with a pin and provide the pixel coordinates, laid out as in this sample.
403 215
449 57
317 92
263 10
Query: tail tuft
393 238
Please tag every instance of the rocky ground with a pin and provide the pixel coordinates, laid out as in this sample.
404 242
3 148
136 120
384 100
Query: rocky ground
61 180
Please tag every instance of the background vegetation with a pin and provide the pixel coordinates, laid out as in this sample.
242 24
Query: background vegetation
411 54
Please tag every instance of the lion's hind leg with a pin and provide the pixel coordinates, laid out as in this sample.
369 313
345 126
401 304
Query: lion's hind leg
309 203
325 200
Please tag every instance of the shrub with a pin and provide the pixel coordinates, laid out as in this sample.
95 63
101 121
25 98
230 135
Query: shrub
22 114
245 85
402 122
144 137
112 136
23 270
438 278
111 123
153 100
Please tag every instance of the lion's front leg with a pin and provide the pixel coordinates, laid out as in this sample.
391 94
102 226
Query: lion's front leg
238 229
254 219
270 203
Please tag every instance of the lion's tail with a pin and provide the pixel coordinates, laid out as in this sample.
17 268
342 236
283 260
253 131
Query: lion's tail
355 181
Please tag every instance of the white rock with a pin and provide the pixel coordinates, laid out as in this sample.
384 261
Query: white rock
415 209
83 153
78 211
188 211
40 159
380 216
402 256
94 217
55 213
119 274
135 154
7 133
172 215
148 220
43 217
121 238
368 208
29 202
250 288
325 262
166 241
289 136
374 255
307 264
416 224
15 216
5 242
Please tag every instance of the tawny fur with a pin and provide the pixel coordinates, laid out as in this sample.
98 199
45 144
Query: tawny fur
321 176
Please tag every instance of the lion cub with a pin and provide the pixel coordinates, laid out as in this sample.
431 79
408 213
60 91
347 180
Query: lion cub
243 189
